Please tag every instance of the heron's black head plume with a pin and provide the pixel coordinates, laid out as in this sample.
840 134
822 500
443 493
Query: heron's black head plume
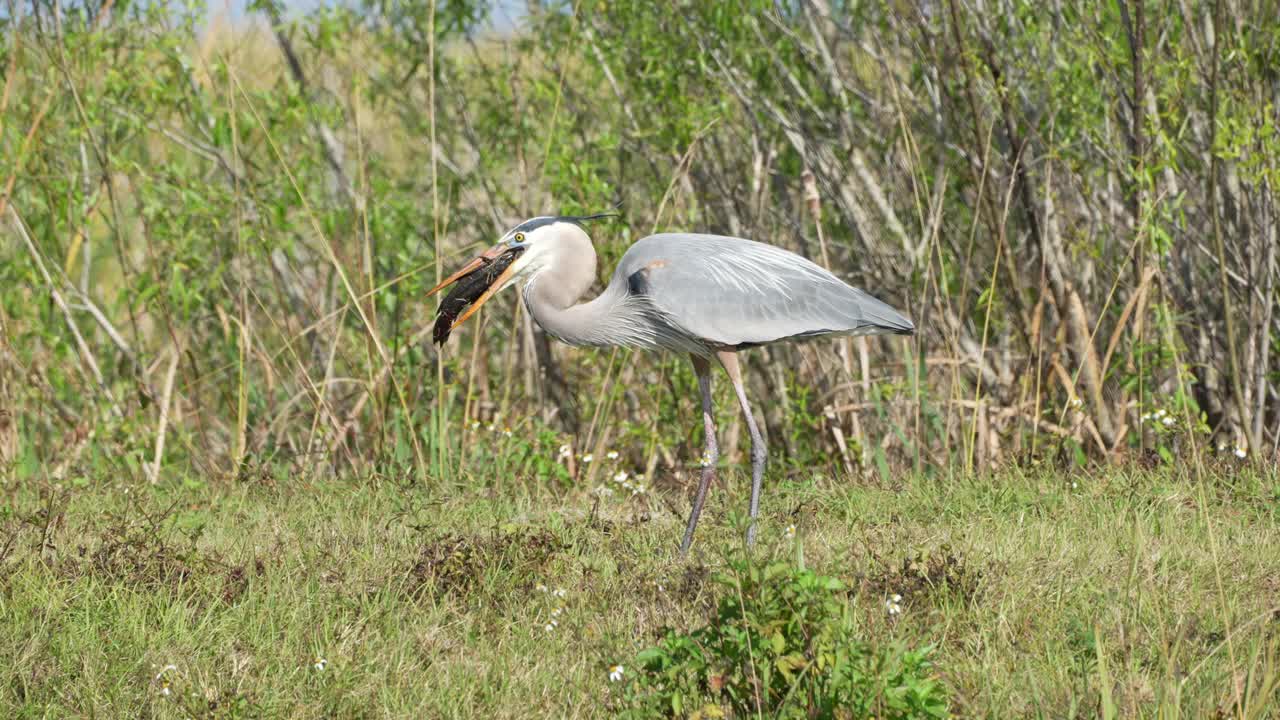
579 219
616 212
532 224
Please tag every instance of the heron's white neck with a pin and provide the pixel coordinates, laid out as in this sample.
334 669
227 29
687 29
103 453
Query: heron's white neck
552 296
554 292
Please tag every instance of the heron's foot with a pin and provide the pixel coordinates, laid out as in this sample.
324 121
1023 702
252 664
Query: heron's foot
688 539
708 477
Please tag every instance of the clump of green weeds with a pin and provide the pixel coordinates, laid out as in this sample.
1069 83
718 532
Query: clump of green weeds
782 643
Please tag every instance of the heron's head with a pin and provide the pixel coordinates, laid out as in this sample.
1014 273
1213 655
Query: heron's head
522 252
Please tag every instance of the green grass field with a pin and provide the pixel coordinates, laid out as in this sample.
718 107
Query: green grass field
432 600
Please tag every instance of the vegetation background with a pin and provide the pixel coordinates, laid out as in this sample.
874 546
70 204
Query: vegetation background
218 236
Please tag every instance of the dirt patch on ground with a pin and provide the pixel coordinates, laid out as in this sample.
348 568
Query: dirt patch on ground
130 555
923 575
137 552
693 583
457 564
236 580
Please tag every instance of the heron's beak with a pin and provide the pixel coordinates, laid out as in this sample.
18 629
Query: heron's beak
476 263
477 281
498 283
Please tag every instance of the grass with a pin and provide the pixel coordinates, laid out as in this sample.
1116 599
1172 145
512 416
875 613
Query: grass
424 599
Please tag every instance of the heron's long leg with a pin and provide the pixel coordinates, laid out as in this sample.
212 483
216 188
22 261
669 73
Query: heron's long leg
702 368
758 450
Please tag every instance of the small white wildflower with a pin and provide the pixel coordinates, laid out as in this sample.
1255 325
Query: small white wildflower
491 427
551 626
638 489
1145 417
164 681
790 532
705 460
612 455
506 432
1074 485
1077 403
893 605
587 458
1241 452
475 424
620 476
558 592
556 613
604 491
541 588
320 664
615 673
565 452
1222 447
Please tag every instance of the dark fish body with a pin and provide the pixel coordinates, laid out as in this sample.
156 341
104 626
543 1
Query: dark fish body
466 290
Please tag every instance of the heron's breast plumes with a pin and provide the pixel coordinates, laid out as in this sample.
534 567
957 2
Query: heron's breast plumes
466 290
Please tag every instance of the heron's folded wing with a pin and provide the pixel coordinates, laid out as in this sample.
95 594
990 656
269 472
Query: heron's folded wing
729 291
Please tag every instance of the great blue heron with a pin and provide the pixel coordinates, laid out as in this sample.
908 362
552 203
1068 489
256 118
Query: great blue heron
706 295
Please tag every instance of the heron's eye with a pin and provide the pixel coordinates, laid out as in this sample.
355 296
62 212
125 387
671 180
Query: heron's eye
519 237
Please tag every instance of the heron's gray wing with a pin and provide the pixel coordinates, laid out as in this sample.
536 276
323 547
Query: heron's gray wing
730 291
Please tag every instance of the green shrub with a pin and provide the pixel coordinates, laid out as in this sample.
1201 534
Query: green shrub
782 643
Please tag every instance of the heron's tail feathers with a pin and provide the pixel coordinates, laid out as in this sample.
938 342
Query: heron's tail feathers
878 318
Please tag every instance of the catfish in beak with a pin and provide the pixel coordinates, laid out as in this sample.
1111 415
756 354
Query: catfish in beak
476 282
